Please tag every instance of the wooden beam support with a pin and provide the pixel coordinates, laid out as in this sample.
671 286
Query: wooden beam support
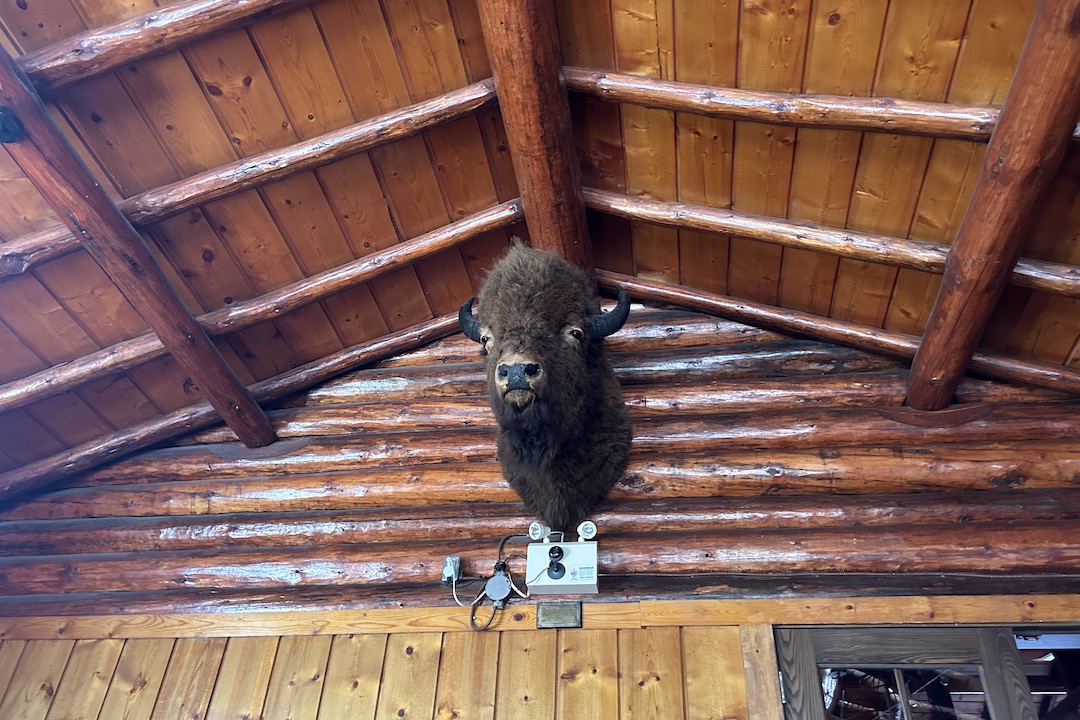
48 470
1022 159
147 207
837 112
522 44
894 344
68 187
152 33
1051 277
239 315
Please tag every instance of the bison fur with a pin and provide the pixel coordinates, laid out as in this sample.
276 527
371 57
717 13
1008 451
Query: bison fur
563 429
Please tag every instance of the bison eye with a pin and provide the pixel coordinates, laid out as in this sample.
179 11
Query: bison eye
577 334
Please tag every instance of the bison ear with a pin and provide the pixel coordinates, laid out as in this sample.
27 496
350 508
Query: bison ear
609 323
470 326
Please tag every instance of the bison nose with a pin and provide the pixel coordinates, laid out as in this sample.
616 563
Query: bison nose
516 376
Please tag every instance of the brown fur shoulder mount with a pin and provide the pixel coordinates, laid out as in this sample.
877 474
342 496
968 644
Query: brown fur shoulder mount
564 431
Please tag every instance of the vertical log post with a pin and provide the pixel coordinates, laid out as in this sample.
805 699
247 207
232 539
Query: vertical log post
52 165
1022 158
522 44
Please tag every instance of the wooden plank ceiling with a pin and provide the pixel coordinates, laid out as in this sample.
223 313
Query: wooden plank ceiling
324 183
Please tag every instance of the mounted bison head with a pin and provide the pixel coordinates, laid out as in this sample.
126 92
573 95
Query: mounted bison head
564 432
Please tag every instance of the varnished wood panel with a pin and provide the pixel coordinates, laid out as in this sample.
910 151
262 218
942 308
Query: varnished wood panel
588 672
353 673
410 676
527 681
137 681
715 677
468 670
296 681
243 677
650 673
32 688
189 678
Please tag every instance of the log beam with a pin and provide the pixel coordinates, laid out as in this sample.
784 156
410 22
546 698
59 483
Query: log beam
454 522
521 38
48 470
1025 151
64 181
239 315
865 337
171 482
837 112
152 33
992 547
147 207
1057 278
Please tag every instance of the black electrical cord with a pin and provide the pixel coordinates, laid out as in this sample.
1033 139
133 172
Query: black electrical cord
472 617
502 544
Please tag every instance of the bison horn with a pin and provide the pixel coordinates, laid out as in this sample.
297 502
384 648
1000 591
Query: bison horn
470 326
609 323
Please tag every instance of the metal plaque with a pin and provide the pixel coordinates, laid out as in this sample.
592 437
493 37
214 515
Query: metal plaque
558 615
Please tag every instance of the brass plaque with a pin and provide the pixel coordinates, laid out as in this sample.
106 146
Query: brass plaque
558 615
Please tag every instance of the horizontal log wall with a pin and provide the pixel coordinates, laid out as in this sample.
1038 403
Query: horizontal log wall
747 478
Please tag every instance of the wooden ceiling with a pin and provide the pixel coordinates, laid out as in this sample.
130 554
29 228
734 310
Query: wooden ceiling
322 184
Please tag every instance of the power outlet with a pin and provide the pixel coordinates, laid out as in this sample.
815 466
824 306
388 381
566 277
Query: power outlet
451 570
568 568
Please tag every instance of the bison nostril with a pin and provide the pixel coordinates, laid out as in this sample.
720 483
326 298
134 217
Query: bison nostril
503 372
532 369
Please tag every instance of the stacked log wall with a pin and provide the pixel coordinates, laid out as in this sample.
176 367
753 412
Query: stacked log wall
741 467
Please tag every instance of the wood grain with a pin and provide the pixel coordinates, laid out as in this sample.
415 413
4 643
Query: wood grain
242 678
651 673
86 678
468 669
189 678
772 53
297 679
136 683
761 671
33 685
353 672
987 243
868 337
104 232
410 675
527 675
522 44
714 676
588 684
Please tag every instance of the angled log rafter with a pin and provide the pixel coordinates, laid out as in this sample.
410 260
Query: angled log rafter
522 44
1025 151
246 313
157 204
68 187
864 337
48 470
